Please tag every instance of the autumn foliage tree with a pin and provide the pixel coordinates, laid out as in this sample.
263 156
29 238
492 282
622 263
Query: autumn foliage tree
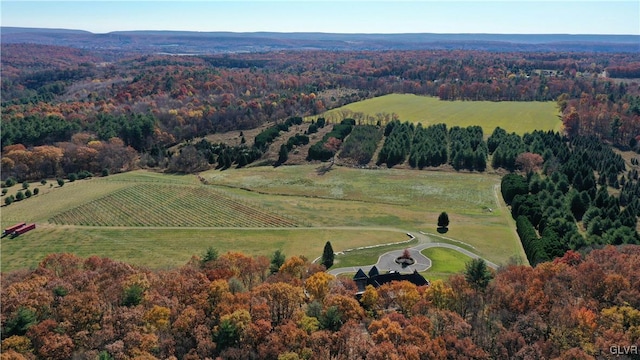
69 306
529 162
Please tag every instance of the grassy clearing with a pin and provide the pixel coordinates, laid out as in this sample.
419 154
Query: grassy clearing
163 248
513 116
349 207
142 176
468 193
402 199
445 262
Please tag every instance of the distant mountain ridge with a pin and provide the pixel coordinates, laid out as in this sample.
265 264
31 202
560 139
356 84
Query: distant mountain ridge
192 42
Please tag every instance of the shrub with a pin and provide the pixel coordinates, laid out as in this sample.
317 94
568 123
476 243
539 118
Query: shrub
60 182
283 155
43 182
28 193
8 200
72 177
19 196
9 182
4 191
105 172
84 174
36 191
25 185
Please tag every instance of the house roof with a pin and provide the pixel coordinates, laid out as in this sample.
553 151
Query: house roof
374 271
360 275
379 279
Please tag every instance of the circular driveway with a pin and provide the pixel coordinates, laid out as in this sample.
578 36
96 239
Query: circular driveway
387 261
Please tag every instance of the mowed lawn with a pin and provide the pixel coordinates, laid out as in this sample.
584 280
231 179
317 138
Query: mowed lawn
513 116
444 263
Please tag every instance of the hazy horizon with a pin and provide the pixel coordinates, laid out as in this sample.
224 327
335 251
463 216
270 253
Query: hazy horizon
308 32
332 17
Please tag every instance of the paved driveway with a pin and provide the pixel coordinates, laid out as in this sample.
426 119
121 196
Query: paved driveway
387 261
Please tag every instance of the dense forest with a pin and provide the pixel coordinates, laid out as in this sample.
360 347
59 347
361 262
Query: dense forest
574 198
565 206
232 306
152 102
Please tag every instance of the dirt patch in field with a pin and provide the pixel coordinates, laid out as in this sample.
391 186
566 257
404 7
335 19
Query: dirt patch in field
234 138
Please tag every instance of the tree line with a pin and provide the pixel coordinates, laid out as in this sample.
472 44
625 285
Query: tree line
196 95
234 306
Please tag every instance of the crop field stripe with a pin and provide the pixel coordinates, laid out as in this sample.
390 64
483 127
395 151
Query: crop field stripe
159 204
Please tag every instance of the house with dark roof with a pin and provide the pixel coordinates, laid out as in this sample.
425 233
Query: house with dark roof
375 279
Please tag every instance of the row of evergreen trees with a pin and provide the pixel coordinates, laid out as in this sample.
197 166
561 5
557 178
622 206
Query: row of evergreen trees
397 144
427 147
468 149
224 156
361 143
463 148
340 131
267 136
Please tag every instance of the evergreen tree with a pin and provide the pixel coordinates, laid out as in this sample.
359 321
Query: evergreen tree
283 155
20 321
477 274
331 319
443 220
210 255
327 255
277 260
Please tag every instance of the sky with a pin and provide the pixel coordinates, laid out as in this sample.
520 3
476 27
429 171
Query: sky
349 16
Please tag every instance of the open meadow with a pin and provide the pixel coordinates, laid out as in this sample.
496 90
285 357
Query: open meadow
513 116
160 221
409 200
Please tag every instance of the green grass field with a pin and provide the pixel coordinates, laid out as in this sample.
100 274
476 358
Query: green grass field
445 262
349 207
169 247
514 116
403 199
